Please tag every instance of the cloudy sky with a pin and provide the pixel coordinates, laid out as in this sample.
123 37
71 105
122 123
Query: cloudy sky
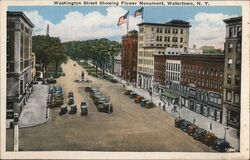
83 23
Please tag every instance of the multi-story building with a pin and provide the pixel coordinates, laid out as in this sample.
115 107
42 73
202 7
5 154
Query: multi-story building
129 56
232 72
153 38
19 76
201 82
33 65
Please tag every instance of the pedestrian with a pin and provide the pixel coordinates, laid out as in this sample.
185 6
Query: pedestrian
194 121
164 107
211 126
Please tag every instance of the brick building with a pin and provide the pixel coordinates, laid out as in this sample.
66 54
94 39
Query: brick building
232 71
19 62
201 82
129 56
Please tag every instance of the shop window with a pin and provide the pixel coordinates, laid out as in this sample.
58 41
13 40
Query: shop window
198 108
205 112
234 117
218 113
211 113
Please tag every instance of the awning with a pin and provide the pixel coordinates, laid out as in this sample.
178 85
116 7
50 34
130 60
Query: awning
169 95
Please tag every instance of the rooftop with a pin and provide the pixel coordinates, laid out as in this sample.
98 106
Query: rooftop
174 23
233 19
21 15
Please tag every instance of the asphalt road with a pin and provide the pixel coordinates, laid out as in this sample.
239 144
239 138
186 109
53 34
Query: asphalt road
129 128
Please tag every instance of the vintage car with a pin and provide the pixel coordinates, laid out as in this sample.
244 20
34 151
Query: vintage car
127 92
105 107
63 110
199 134
138 99
70 94
133 94
143 102
209 138
73 109
71 100
95 93
149 105
100 98
191 129
184 125
178 122
220 145
84 109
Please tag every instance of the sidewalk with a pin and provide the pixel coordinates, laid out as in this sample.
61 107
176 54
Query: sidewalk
34 112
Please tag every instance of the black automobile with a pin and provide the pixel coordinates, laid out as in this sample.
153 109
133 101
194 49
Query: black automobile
220 145
199 134
70 94
73 109
184 125
84 109
64 110
105 107
178 122
71 100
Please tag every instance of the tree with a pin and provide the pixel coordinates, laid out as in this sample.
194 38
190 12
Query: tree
48 49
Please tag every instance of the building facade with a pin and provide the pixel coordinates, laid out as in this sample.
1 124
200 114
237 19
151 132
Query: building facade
232 72
33 65
117 66
153 38
129 56
19 66
201 82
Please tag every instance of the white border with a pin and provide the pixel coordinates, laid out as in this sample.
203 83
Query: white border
244 141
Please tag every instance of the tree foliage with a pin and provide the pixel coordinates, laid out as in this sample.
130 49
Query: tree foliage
48 49
211 50
100 51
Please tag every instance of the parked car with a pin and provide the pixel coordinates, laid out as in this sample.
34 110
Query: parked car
138 99
101 98
184 125
133 95
73 109
149 105
95 93
113 80
220 145
178 122
70 94
84 109
209 138
87 89
143 102
64 110
191 129
127 92
199 134
71 100
105 107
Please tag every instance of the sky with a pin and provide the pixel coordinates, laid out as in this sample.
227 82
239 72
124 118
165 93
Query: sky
91 22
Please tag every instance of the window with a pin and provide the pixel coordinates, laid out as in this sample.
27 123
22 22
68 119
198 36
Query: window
175 39
152 29
238 47
237 80
221 73
229 63
198 108
212 113
238 65
230 32
229 78
205 110
141 29
228 95
230 47
236 98
181 31
181 40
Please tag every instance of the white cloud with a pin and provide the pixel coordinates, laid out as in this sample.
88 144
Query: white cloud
77 26
208 29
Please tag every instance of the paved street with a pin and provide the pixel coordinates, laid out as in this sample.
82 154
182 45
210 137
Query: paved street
129 128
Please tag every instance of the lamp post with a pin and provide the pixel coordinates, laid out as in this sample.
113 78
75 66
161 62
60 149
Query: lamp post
225 127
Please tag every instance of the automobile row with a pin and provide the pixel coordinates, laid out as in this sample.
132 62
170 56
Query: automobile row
101 101
202 135
139 99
